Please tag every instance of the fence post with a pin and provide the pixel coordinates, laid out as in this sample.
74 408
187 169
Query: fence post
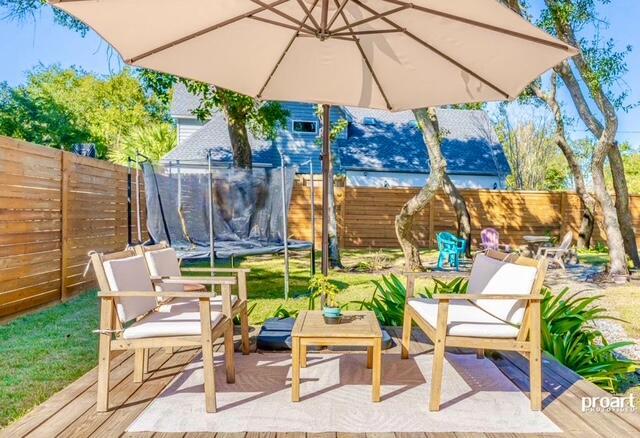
563 214
64 215
432 216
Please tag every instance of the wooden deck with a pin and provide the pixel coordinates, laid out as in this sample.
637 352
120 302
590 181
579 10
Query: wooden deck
71 412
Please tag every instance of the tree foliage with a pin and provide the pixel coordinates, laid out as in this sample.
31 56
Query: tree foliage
61 107
153 141
262 118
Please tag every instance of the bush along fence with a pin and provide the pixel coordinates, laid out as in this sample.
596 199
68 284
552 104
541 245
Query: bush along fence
54 208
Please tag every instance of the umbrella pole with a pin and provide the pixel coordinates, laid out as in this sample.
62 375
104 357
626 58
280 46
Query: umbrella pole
211 230
326 174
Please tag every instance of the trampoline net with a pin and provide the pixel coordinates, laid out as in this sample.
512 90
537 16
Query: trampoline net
248 213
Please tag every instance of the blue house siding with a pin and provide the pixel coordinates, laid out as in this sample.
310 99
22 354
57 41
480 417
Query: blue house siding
300 147
378 148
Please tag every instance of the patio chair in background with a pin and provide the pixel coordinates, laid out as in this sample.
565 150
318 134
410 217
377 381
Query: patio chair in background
500 311
451 248
491 240
130 319
163 261
556 255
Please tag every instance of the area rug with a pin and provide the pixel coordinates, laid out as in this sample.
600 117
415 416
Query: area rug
336 397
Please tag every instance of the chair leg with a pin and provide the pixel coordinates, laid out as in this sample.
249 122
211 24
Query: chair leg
229 360
441 260
138 365
535 380
145 361
104 360
438 355
244 330
406 333
480 353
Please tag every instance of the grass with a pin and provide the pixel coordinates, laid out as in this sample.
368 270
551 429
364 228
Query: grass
43 352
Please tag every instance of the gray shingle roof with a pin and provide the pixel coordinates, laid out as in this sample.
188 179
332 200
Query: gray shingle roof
215 135
393 142
183 103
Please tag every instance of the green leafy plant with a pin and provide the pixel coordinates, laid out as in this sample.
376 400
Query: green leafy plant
283 313
387 301
569 335
456 286
320 285
250 309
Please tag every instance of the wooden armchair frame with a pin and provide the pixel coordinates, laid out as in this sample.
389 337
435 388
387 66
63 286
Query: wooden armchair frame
527 342
111 329
239 308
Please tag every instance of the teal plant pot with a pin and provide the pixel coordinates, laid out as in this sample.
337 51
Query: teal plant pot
332 312
332 315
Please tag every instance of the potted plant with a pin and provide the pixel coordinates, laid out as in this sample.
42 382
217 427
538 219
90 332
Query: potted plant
320 286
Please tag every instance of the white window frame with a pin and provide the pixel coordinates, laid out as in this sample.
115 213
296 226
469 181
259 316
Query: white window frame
315 123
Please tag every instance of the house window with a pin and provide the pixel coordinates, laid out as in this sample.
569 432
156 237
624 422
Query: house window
305 127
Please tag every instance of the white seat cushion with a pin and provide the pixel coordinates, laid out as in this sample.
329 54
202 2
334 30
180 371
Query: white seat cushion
491 276
164 263
193 304
464 319
130 274
168 322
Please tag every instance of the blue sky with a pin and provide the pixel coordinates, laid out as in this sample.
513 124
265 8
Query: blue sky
39 40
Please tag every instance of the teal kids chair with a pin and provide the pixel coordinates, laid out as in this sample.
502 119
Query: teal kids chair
451 249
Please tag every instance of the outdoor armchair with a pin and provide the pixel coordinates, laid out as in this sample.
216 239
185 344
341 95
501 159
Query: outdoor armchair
556 255
130 319
491 240
163 261
500 311
451 248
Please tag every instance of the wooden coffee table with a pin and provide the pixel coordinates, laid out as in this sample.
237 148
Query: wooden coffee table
356 329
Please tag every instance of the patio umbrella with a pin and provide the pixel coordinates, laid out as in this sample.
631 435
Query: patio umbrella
388 54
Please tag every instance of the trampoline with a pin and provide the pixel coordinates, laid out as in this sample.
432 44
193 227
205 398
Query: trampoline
209 209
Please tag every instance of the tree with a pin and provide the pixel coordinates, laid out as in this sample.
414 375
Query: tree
337 128
530 148
61 107
428 124
153 141
242 112
597 69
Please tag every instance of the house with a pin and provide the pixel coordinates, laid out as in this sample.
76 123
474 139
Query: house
378 148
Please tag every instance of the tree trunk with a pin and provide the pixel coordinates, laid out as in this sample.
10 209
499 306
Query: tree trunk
334 246
622 205
586 228
462 214
239 142
428 123
618 260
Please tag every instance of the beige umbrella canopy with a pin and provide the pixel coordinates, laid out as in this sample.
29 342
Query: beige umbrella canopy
388 54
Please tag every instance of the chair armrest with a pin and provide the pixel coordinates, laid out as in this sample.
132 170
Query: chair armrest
158 294
476 297
246 271
194 280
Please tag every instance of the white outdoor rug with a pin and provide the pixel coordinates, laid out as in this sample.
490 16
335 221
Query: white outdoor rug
336 397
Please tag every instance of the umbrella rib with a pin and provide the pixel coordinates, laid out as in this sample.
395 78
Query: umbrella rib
202 32
337 14
365 59
487 26
436 51
284 52
283 15
308 12
377 16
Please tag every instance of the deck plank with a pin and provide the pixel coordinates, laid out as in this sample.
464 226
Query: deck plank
71 412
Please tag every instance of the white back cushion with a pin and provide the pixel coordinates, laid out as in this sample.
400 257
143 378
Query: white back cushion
130 274
491 276
164 263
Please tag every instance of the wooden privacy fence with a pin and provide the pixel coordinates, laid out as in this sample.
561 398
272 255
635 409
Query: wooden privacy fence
54 208
366 216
